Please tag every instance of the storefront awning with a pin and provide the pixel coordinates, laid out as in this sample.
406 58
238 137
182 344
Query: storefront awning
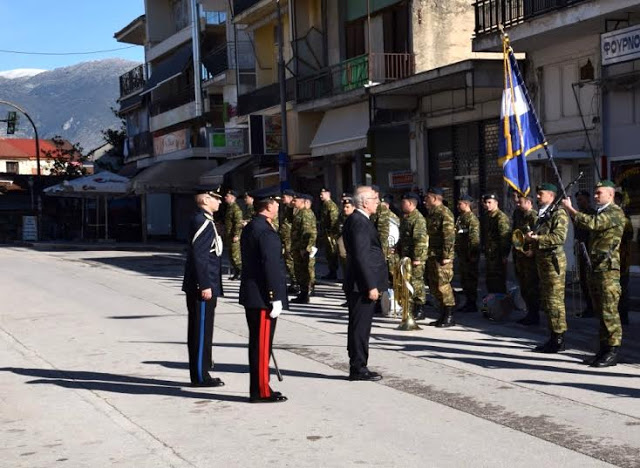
342 130
172 176
169 68
216 176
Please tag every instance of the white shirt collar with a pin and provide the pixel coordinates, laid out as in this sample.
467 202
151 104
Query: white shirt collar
603 207
363 212
543 210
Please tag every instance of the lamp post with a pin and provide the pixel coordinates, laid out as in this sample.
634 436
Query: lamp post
283 157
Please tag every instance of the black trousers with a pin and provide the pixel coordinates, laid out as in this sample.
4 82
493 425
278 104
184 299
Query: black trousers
361 310
200 336
261 329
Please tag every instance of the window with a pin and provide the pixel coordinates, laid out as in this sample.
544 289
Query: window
12 168
354 38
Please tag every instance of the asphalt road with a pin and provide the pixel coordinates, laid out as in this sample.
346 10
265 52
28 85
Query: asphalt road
93 373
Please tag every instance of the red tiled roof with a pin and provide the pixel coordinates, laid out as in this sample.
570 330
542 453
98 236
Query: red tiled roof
25 148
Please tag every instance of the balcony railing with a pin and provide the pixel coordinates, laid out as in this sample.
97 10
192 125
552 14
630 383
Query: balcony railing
158 106
139 144
224 58
265 97
492 13
132 81
354 73
241 5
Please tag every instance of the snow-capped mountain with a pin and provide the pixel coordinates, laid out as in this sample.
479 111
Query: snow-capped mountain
74 102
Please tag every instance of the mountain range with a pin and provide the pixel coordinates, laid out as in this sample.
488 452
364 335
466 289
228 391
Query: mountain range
74 102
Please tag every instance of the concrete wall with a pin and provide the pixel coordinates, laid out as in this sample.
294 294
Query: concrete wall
28 167
266 51
442 32
334 32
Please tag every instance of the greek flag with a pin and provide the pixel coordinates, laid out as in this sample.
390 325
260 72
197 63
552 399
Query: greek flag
521 133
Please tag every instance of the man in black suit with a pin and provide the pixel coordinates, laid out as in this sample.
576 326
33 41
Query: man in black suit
263 293
365 278
203 285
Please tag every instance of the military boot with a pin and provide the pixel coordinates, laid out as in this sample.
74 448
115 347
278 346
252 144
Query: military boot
446 320
293 289
302 298
553 345
418 312
608 358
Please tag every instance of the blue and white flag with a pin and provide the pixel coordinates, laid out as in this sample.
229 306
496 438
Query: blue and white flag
521 132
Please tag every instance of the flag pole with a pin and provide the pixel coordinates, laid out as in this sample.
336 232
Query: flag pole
505 40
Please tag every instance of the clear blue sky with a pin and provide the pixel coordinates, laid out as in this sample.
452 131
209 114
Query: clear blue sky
64 26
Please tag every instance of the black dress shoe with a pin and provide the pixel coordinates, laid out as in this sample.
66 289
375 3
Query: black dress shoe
365 376
529 320
276 397
608 359
213 382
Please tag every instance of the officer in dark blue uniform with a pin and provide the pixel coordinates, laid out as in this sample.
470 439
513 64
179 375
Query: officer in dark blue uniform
263 292
203 285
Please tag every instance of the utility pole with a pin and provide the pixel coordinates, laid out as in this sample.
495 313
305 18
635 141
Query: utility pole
283 157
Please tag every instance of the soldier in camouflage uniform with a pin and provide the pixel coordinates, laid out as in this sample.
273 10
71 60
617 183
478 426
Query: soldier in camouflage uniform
381 221
467 246
249 211
497 244
551 263
232 229
286 220
442 233
625 264
329 232
524 262
303 240
413 244
606 229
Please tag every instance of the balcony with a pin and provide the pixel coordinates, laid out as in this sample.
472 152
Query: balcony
492 13
139 145
354 74
184 96
132 81
265 97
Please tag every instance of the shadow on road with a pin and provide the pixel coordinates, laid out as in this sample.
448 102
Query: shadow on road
115 383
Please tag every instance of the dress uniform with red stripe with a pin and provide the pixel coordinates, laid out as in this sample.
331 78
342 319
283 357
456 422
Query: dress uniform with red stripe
263 293
203 271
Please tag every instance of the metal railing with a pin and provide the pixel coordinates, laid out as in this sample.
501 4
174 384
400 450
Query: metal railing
224 58
184 96
265 97
132 81
492 13
241 5
215 62
355 73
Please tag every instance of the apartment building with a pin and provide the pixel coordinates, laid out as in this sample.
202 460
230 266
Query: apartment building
583 71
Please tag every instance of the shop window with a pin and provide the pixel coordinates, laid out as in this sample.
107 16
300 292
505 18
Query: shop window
12 167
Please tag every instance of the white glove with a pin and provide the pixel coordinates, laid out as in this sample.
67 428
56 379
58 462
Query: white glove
276 309
314 251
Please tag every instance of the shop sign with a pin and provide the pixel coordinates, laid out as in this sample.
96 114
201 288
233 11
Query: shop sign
29 228
227 141
170 142
620 46
401 179
272 134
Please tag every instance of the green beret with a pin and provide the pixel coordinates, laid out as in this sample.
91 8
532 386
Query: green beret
606 183
547 186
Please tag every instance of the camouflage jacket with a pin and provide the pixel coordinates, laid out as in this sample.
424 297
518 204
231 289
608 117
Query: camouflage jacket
442 233
497 235
467 236
605 235
381 221
552 233
304 230
329 219
232 221
248 213
525 222
413 236
286 220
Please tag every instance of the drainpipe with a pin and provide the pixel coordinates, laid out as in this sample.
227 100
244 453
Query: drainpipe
197 65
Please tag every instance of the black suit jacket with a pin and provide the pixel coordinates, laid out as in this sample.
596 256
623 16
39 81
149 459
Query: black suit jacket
203 269
366 265
263 279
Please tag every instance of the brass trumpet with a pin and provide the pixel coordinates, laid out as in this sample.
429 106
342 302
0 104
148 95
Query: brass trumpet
517 239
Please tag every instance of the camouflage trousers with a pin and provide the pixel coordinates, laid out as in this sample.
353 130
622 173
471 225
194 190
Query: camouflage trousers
469 278
288 258
552 270
419 296
331 252
234 256
439 279
527 275
496 275
305 270
605 294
